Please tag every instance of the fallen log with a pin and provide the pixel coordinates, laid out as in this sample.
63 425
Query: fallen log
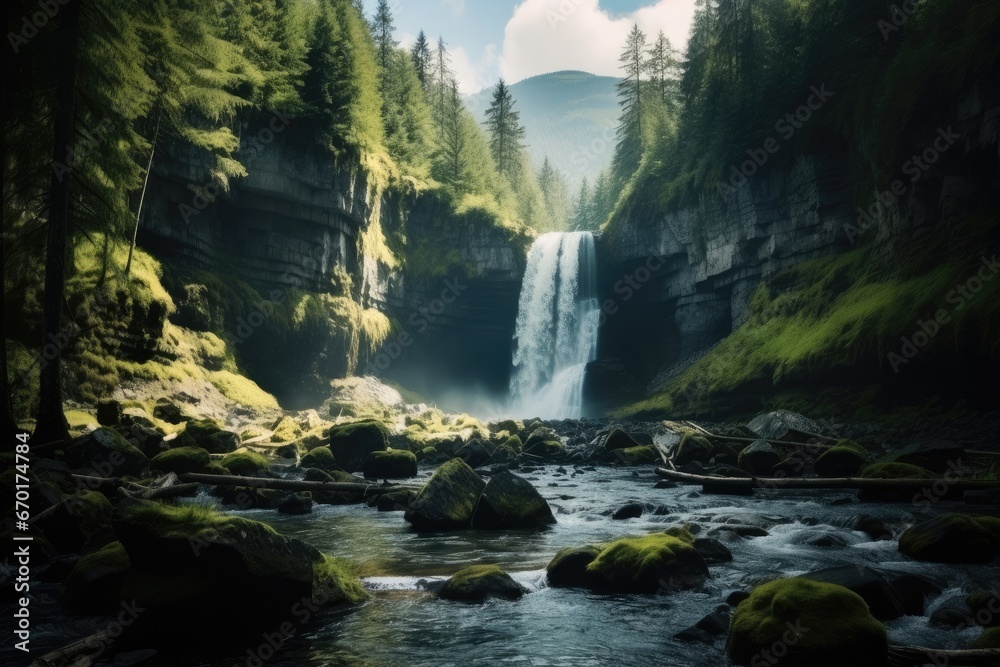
918 655
780 443
292 484
748 483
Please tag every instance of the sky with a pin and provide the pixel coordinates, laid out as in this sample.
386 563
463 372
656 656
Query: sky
517 39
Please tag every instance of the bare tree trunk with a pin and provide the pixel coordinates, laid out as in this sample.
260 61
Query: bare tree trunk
142 197
51 420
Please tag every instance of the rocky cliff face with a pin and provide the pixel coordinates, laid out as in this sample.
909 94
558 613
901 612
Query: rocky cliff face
677 282
298 221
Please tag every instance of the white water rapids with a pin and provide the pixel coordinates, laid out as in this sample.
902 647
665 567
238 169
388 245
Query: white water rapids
557 321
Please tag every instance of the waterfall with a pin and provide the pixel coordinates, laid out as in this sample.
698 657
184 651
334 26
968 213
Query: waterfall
557 322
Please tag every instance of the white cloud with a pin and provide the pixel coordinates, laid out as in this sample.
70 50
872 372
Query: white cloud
457 6
551 35
473 77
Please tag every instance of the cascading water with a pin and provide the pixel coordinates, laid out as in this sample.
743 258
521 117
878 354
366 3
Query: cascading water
557 321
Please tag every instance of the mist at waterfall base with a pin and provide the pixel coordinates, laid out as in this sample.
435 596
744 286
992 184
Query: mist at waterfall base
557 322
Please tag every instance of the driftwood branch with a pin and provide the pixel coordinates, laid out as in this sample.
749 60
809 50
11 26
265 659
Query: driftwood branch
291 484
749 483
918 655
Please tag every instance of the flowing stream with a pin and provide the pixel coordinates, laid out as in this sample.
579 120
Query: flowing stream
557 321
404 624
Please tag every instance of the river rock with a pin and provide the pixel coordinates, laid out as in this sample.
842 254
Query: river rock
448 499
509 501
395 501
296 503
952 613
693 448
712 550
568 569
391 464
759 458
810 622
985 605
209 434
538 435
205 576
182 460
479 583
619 439
352 443
783 425
988 639
630 511
938 457
707 629
845 459
319 457
475 453
953 538
877 590
105 451
94 584
246 463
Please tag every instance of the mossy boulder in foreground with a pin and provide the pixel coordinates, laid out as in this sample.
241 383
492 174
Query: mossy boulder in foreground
391 464
352 443
805 623
181 460
94 584
448 499
479 583
650 564
201 574
953 538
844 459
509 501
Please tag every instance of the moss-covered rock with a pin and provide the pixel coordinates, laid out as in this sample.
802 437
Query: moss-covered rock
285 430
513 426
649 564
245 463
182 460
208 434
545 449
94 584
885 600
514 444
895 471
953 538
395 501
984 606
813 624
320 457
479 583
618 439
509 501
448 499
990 638
78 523
352 443
298 503
568 569
207 576
105 451
390 464
538 435
844 459
759 458
475 452
633 456
693 448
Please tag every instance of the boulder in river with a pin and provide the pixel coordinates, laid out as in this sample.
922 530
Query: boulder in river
448 499
246 463
319 457
479 583
204 576
618 439
352 443
886 601
759 458
655 563
296 503
845 459
631 456
107 452
538 435
707 629
693 448
209 434
475 452
390 464
953 538
807 623
509 501
988 639
712 550
629 511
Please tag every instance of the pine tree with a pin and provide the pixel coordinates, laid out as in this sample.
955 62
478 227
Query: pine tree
506 131
582 209
555 195
421 56
451 157
628 151
663 66
441 85
382 28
